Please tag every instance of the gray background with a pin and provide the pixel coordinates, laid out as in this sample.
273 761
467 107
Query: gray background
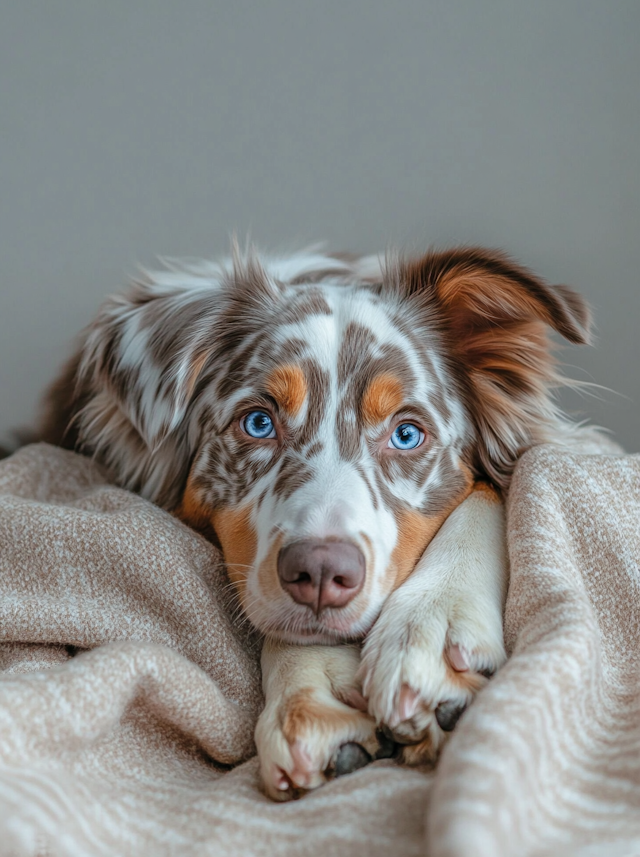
136 128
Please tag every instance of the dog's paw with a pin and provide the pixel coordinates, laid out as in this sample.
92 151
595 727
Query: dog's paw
439 635
316 726
422 667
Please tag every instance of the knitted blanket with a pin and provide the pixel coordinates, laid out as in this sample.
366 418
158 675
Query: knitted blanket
128 695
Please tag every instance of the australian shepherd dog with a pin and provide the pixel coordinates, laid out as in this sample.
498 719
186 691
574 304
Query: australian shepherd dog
345 430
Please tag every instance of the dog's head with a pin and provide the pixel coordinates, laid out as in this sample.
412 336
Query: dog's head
320 417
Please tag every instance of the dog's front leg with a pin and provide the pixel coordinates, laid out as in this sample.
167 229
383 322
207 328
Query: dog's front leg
440 634
313 707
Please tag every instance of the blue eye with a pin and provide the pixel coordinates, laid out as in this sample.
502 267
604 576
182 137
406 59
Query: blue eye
406 436
258 424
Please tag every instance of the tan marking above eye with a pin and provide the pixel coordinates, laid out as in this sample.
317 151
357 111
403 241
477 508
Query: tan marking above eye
382 398
288 386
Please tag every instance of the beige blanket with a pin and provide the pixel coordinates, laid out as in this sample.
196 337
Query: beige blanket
128 696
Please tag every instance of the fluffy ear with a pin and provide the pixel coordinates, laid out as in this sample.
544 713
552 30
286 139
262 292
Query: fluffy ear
147 349
150 346
126 395
494 315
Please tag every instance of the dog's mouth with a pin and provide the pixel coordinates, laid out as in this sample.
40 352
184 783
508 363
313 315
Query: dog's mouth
309 629
319 635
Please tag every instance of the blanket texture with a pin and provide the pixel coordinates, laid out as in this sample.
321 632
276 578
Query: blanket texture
128 694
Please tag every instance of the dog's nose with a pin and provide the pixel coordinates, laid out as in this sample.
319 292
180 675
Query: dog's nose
321 574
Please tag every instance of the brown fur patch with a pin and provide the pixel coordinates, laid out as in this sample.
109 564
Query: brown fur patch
191 510
485 287
305 712
232 528
488 490
382 398
415 531
423 753
494 313
288 386
238 540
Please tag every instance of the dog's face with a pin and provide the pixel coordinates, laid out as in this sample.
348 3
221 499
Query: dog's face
322 418
330 455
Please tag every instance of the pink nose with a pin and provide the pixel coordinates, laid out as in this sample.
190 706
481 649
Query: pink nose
321 574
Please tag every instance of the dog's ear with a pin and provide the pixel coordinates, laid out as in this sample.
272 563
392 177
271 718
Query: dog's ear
494 315
125 397
148 348
152 346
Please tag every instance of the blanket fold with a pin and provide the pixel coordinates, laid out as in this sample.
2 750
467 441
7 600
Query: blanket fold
128 693
548 761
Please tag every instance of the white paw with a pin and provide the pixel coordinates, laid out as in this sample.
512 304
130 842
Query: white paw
420 671
440 634
313 710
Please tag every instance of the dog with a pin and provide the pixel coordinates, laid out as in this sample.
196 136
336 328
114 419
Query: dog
345 429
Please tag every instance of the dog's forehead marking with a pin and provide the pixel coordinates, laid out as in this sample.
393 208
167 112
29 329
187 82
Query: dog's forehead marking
288 386
356 345
309 302
292 474
319 391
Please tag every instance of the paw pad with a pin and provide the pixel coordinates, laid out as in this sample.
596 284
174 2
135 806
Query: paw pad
351 757
448 714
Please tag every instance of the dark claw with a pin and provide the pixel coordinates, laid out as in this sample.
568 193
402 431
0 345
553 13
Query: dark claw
388 746
385 734
448 714
350 757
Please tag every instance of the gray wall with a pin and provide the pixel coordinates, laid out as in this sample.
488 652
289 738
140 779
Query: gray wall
132 128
